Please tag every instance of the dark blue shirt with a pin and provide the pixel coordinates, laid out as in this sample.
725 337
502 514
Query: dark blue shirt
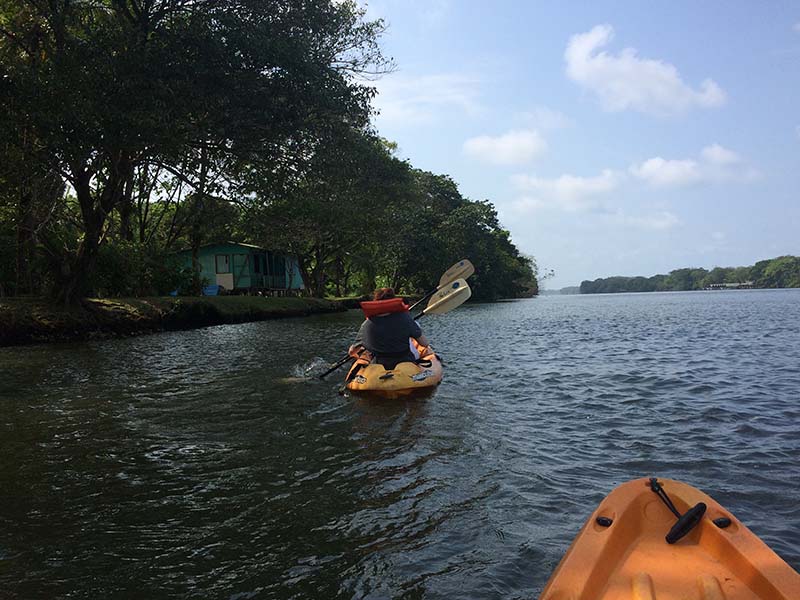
388 334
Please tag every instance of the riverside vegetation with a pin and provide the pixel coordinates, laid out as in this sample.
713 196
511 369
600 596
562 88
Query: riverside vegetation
780 272
32 320
132 130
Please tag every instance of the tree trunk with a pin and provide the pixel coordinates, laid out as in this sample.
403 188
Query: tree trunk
368 286
24 252
339 276
319 272
346 280
396 280
196 232
74 273
305 274
33 187
74 280
126 210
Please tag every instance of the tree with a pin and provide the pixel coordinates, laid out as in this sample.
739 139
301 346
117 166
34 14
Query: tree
333 209
715 276
782 272
101 88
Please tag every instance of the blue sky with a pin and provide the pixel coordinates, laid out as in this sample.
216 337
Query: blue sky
614 138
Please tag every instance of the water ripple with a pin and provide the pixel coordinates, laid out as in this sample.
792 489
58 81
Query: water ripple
197 464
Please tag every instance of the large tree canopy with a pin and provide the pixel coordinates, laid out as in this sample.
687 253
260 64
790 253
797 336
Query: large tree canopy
96 89
137 127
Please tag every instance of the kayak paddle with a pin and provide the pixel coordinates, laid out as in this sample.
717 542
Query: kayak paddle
461 270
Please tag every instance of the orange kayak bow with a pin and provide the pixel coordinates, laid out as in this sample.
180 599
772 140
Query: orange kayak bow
665 540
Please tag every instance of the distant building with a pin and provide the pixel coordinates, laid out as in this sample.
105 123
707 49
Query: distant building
742 285
246 268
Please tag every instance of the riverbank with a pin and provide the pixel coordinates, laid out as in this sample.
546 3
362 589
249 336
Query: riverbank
33 320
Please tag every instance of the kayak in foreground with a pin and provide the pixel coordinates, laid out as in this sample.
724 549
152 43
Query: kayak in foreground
404 379
635 547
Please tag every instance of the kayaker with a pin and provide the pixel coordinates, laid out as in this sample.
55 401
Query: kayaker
388 329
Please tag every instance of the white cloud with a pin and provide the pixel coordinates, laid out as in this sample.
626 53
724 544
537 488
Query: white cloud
427 13
568 186
658 221
434 12
715 165
575 194
542 117
512 148
661 172
526 204
567 192
626 81
421 99
718 155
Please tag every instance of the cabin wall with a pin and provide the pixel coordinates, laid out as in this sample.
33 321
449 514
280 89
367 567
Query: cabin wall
247 268
237 265
293 278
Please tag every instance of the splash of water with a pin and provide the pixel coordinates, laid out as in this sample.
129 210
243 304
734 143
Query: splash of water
307 370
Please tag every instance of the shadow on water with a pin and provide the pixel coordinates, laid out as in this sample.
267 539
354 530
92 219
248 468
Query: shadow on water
206 464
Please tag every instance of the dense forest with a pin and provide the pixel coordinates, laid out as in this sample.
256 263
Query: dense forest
780 272
132 129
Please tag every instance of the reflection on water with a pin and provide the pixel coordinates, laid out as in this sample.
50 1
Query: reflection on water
204 464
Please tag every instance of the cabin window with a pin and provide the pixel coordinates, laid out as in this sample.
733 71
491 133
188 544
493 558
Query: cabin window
223 263
278 267
278 264
256 263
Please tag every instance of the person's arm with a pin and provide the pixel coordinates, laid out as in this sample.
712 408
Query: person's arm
360 334
416 332
359 342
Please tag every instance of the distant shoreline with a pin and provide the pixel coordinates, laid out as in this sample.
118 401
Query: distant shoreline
750 289
778 272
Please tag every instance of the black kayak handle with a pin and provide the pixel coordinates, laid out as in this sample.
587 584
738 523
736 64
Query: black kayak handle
686 522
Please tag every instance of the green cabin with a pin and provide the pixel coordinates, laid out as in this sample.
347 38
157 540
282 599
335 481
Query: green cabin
246 268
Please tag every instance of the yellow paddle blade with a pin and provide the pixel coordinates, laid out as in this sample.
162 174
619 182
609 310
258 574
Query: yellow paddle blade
461 270
448 298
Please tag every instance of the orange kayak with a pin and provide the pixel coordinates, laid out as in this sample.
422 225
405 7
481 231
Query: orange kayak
622 551
405 379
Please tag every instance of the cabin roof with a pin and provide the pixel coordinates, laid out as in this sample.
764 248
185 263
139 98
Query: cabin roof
240 244
233 244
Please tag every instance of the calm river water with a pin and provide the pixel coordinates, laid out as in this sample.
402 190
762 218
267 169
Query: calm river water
192 465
